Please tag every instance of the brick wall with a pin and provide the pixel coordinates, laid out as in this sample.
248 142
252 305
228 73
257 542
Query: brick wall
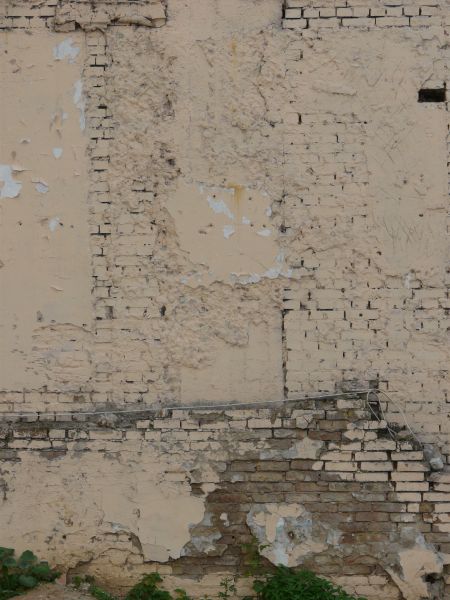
361 493
355 316
302 14
315 107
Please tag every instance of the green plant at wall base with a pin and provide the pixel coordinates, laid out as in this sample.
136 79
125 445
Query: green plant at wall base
18 575
253 558
227 588
286 584
147 589
100 594
282 583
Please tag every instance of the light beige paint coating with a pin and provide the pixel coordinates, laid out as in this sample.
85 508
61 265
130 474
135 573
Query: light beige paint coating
249 373
115 495
44 248
228 230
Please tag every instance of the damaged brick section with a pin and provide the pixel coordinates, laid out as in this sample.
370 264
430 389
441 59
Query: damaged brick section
91 16
231 156
68 15
323 483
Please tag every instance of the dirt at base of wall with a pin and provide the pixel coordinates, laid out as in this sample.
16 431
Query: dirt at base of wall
55 591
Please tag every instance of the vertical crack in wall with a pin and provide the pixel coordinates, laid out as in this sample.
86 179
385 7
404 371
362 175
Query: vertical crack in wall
284 351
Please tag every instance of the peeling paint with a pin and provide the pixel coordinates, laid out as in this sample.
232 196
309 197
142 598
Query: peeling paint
287 532
264 232
219 207
252 252
80 102
56 280
41 186
228 231
66 49
415 564
53 224
11 188
118 495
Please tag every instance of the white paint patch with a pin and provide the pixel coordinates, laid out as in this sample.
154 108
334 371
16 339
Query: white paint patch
53 224
244 279
219 207
18 168
228 231
80 102
274 272
66 49
264 232
286 530
57 152
24 141
10 188
41 187
279 270
269 211
407 280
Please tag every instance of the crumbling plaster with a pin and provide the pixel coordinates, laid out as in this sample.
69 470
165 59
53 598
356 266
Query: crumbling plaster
183 490
205 173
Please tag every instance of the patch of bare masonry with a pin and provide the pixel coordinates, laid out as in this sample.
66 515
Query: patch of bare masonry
323 484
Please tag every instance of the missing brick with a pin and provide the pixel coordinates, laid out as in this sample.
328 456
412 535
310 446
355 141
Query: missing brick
432 95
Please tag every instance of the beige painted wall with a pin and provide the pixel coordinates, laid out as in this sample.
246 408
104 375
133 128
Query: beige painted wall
45 274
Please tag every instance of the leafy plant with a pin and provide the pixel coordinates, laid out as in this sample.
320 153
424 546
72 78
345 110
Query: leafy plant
100 594
147 589
281 584
227 588
181 594
286 584
252 557
22 574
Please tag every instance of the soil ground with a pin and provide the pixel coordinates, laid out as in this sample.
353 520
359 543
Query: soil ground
55 591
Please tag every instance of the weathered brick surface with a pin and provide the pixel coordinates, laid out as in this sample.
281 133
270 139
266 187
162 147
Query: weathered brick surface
346 321
360 496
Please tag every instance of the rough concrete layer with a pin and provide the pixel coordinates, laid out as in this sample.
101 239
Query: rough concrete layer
324 484
55 591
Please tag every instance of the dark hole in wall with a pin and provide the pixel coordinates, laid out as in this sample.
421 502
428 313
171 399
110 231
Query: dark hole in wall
432 95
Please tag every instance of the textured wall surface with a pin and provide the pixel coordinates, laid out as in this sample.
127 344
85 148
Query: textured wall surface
226 202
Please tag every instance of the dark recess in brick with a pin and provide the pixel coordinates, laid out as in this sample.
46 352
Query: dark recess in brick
432 95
